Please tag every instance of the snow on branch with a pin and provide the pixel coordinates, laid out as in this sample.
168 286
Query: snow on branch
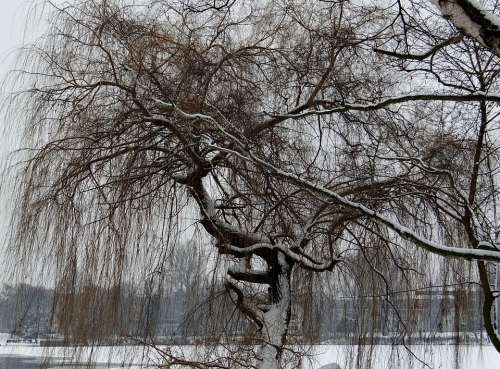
487 250
477 96
252 276
473 20
304 261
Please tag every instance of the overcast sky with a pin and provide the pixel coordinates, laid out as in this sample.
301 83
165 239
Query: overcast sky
12 27
13 14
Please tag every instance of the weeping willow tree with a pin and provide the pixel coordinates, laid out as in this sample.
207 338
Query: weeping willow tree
310 145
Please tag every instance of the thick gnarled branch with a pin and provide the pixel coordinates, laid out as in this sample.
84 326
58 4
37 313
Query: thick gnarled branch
470 18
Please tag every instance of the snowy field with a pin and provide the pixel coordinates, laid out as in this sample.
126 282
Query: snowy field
387 357
381 357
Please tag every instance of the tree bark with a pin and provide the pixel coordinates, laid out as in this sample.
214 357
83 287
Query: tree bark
277 318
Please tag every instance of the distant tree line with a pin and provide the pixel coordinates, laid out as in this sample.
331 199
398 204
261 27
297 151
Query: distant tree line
26 310
172 301
178 316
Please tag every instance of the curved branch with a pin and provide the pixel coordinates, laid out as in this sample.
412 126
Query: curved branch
486 250
305 262
300 113
420 57
251 311
250 276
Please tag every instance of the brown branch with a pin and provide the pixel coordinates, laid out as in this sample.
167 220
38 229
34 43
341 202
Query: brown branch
299 112
251 276
423 56
242 304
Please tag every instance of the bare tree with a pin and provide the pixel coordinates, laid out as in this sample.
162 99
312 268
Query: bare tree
312 138
464 66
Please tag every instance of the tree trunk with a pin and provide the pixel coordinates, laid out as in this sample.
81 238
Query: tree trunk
277 318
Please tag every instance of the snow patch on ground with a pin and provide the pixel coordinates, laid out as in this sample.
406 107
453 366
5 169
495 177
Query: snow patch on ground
382 356
397 357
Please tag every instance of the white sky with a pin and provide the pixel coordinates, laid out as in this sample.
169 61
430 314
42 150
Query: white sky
12 28
13 15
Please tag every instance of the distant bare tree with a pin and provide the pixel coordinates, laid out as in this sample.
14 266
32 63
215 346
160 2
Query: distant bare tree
327 139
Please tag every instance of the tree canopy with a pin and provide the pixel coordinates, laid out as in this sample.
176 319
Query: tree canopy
306 142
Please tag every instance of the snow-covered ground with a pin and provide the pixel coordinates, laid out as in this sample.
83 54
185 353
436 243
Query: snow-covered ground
382 357
416 357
